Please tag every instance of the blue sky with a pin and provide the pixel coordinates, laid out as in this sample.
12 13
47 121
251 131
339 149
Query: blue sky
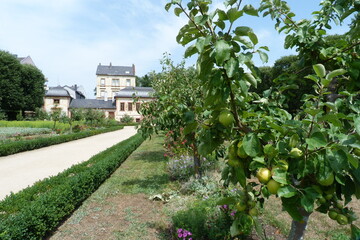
67 39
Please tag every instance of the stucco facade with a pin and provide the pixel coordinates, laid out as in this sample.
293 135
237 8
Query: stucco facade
54 102
111 79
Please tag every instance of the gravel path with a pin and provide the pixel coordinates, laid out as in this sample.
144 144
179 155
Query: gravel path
24 169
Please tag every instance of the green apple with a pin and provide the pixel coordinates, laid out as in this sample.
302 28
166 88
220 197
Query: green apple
333 214
296 153
240 206
357 152
342 219
328 180
253 212
226 118
273 186
240 151
264 175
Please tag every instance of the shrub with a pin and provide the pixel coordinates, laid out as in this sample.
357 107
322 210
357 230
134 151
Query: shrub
26 145
204 219
35 211
127 119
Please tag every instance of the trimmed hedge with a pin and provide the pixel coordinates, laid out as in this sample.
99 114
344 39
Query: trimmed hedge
27 145
37 210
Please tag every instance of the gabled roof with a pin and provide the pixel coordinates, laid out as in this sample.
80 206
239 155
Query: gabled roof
92 103
26 60
115 70
129 92
57 92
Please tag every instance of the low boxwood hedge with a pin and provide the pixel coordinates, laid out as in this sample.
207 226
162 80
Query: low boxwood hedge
36 211
26 145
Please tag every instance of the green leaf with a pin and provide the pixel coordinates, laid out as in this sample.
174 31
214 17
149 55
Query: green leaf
227 201
222 50
353 161
222 15
290 205
287 192
168 6
234 229
308 199
279 175
355 232
253 38
178 11
231 67
242 31
263 56
190 51
357 124
252 146
233 14
250 79
240 176
201 42
190 128
317 140
335 73
319 70
250 10
220 24
313 78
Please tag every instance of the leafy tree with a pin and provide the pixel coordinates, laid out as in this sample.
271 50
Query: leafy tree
310 160
144 81
177 96
56 116
32 83
22 86
127 119
94 117
11 91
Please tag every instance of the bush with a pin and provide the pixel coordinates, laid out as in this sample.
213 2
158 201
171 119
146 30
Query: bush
37 210
126 119
26 145
204 219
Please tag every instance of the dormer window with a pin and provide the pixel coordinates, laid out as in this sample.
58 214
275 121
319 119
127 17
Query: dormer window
127 72
56 101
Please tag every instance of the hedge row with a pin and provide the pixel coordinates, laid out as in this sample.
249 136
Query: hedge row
36 211
26 145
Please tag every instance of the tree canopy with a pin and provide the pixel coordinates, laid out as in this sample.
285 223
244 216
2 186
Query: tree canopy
22 86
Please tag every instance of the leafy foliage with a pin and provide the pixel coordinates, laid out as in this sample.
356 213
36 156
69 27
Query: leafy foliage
309 156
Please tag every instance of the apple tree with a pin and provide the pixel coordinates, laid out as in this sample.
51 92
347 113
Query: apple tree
308 159
178 100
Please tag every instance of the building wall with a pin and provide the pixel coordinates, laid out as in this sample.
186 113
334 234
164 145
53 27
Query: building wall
126 111
50 104
112 84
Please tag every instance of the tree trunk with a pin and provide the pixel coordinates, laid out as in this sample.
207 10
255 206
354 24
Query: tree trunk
197 163
297 230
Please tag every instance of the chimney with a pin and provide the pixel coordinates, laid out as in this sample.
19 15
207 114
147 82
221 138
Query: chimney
134 69
75 86
99 64
110 65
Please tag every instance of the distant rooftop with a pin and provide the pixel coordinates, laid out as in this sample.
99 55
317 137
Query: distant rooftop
111 70
144 92
92 103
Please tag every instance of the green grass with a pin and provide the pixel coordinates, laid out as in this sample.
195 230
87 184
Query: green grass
142 175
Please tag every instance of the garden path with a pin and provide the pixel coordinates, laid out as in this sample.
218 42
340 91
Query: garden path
23 169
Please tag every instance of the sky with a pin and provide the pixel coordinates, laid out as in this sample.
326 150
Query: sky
67 39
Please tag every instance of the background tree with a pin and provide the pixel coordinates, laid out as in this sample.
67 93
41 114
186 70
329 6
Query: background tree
22 86
178 97
32 83
11 91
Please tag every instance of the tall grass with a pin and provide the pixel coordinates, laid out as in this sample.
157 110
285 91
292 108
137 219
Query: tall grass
37 124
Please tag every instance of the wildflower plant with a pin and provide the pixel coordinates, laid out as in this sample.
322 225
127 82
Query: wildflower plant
183 234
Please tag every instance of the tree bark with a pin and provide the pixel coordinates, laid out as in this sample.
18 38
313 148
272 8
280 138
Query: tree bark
297 230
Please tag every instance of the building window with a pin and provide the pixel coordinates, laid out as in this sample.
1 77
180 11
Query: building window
115 82
56 101
122 106
137 106
102 94
102 82
137 120
128 82
130 106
